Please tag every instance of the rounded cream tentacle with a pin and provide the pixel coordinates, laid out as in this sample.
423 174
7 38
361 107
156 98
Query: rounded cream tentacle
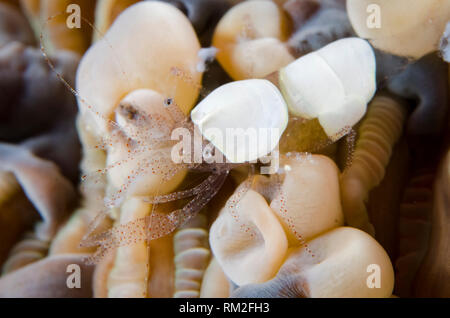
215 284
100 276
402 27
300 203
124 82
250 39
347 262
247 240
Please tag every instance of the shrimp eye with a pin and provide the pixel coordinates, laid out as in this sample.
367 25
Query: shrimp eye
168 102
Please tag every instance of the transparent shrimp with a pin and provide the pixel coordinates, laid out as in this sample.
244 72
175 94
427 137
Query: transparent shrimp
146 145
